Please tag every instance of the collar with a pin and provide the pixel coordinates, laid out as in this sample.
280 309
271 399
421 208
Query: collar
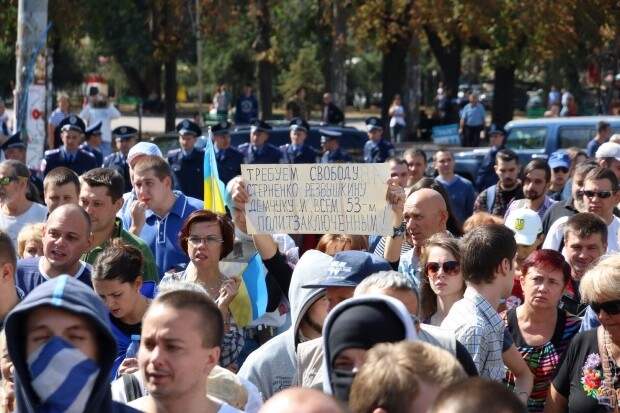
178 208
67 152
485 308
187 154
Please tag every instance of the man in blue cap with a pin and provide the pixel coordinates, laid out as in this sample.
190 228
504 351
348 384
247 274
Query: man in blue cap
187 162
297 151
125 137
258 151
92 142
559 163
69 154
332 153
228 159
376 149
14 148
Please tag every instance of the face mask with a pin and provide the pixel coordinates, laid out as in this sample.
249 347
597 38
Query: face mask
56 368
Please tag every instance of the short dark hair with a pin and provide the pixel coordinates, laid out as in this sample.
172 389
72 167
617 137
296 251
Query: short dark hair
199 302
442 149
506 155
158 165
19 168
483 249
60 176
204 215
475 395
583 168
535 164
108 177
547 259
7 250
118 261
602 126
585 224
600 173
396 160
413 152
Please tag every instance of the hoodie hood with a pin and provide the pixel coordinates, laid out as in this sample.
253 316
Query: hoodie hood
74 296
393 304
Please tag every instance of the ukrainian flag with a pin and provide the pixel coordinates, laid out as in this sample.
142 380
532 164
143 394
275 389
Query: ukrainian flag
251 300
214 189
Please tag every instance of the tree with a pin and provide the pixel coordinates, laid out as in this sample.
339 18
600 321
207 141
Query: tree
305 72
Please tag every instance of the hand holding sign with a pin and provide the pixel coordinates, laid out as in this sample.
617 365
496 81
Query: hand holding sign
396 198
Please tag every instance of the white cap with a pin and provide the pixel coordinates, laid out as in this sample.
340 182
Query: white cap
143 148
608 150
526 225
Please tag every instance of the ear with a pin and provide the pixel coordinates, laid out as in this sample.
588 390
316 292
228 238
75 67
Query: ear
379 410
505 266
7 271
117 205
138 282
213 358
168 182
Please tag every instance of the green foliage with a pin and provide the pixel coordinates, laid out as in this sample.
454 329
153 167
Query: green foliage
304 71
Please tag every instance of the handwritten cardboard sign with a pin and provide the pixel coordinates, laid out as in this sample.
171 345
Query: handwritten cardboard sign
317 199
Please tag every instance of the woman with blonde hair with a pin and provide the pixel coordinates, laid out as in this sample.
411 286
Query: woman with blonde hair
30 241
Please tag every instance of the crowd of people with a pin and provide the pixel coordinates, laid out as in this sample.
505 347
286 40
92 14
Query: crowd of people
117 287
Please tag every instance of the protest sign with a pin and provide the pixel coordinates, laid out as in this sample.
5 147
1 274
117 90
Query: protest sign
446 135
317 199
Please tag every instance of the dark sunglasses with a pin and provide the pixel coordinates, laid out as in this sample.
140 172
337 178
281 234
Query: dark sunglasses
448 267
610 307
560 169
600 194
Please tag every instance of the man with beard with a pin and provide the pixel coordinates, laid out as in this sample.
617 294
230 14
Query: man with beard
536 178
495 199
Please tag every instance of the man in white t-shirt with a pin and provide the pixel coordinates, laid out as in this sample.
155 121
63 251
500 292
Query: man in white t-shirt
15 208
100 110
600 196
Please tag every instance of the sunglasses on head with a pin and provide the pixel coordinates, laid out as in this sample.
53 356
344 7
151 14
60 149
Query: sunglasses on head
448 267
610 307
5 180
560 169
600 194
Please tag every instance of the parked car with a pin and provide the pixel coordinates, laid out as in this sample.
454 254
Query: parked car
537 138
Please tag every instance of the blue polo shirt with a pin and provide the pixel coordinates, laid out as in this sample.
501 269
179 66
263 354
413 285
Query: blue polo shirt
29 274
473 115
161 234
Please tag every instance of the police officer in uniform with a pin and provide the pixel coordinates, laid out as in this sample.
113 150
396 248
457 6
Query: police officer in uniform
376 149
332 153
93 140
258 151
297 151
14 148
228 159
187 162
125 138
69 154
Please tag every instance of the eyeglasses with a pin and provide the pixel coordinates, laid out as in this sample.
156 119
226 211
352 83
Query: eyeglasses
610 307
209 240
562 169
600 194
448 267
5 180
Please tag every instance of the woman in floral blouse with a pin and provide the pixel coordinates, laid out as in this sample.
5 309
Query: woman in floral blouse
589 378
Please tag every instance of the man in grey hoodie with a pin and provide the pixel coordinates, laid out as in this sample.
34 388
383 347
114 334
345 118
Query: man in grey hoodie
272 366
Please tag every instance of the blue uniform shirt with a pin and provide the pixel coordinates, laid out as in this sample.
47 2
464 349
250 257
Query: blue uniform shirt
188 170
298 153
229 163
161 234
118 161
29 274
337 156
378 152
80 162
96 152
473 115
266 154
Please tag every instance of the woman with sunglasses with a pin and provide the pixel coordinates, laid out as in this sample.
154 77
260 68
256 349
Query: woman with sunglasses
207 237
541 331
588 379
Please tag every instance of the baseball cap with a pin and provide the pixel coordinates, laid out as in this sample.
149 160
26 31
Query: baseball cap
143 148
349 268
608 150
559 159
526 225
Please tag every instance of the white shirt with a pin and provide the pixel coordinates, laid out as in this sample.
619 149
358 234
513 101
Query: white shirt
105 115
556 235
12 225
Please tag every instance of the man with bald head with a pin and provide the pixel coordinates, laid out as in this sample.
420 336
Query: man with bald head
298 400
423 214
66 236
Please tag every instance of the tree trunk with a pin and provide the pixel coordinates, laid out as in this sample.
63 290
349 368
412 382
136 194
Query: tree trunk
393 72
448 57
338 78
413 89
261 46
503 95
170 90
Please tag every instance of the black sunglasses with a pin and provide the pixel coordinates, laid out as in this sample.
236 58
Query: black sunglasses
610 307
448 267
600 194
560 169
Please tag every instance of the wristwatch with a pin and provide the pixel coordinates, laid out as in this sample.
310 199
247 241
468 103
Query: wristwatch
399 230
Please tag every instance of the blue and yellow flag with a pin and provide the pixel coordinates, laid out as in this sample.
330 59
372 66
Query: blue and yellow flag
214 189
251 300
